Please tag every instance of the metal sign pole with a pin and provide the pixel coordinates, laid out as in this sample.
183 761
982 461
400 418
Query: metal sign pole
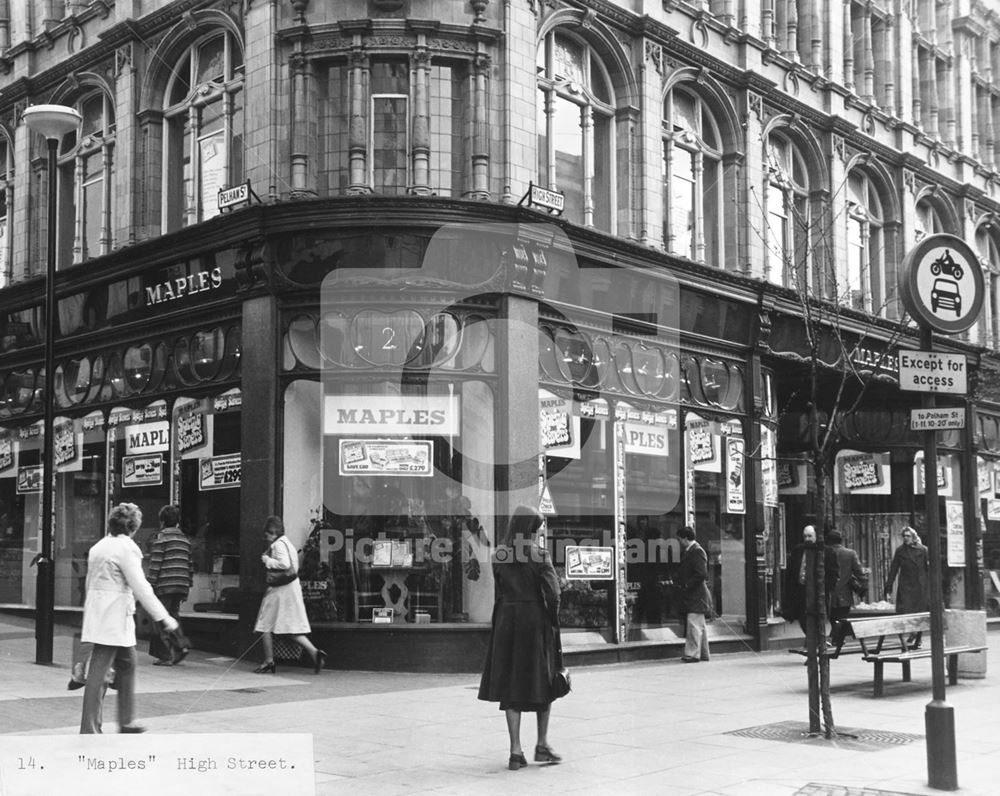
939 716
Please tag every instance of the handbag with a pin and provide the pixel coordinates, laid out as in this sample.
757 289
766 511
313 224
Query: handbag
562 684
281 577
176 642
858 585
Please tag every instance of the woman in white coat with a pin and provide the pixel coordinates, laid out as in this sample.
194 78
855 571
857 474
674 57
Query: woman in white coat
114 582
282 610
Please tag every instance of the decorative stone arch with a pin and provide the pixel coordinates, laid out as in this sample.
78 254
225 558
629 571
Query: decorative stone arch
699 81
801 136
943 204
614 57
80 83
883 180
192 27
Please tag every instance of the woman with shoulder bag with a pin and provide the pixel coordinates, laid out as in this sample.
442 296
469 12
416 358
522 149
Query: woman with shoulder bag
522 659
282 610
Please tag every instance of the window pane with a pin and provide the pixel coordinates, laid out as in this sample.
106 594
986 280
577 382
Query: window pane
682 198
236 141
851 291
211 61
93 195
776 234
711 191
569 61
569 157
389 124
92 112
543 142
602 172
212 149
685 116
446 122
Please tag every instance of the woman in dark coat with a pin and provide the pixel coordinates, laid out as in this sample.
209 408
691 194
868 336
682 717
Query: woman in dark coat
521 657
910 563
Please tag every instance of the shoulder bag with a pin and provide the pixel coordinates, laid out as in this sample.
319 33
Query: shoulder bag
561 682
281 577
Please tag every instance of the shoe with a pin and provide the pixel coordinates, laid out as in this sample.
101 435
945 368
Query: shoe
266 668
74 684
689 659
133 729
516 762
163 662
544 754
318 661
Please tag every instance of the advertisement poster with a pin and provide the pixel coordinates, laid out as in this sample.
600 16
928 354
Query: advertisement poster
953 510
993 509
190 430
29 480
589 563
945 472
143 470
67 447
703 446
6 452
735 501
769 465
386 457
220 472
862 473
558 427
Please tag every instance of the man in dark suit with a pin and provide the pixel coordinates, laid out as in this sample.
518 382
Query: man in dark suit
696 601
841 567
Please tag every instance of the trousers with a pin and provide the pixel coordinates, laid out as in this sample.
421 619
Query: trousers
101 658
696 637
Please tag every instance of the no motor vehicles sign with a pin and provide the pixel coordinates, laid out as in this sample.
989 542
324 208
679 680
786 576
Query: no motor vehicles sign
928 371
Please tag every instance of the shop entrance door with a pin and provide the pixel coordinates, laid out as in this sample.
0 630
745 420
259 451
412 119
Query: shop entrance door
874 537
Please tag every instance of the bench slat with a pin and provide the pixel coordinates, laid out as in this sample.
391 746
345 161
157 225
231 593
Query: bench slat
888 625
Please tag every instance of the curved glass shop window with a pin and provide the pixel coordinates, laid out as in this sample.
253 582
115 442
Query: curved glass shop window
414 504
80 497
715 467
205 439
20 490
579 478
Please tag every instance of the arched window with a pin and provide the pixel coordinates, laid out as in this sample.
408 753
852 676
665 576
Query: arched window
928 220
986 332
86 166
786 204
692 173
203 119
859 283
576 129
6 202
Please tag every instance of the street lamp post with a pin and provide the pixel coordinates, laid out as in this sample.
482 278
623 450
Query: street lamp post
53 122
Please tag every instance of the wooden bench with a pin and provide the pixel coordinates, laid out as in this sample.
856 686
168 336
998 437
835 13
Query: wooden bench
889 639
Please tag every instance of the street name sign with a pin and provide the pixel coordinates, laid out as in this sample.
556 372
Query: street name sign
930 371
937 419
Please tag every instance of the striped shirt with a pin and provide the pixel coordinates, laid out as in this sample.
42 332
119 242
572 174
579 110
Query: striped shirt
170 567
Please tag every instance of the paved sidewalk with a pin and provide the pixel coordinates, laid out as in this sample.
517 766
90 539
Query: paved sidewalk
643 728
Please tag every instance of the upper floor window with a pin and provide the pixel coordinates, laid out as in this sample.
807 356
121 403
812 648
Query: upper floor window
986 332
928 220
787 214
203 118
692 173
859 283
416 122
576 129
86 168
6 200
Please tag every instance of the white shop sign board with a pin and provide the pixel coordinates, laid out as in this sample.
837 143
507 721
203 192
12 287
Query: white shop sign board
940 419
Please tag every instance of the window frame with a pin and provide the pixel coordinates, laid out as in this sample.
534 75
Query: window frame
780 179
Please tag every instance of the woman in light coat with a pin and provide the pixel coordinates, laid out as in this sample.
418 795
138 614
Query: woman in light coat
282 610
114 582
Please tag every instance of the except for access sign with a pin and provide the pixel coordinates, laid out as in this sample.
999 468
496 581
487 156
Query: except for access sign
937 419
929 371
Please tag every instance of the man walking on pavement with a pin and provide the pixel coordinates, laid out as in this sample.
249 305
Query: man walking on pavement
696 601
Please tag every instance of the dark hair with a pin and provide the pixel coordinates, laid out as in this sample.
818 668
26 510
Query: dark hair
124 518
274 523
687 532
170 515
834 537
524 524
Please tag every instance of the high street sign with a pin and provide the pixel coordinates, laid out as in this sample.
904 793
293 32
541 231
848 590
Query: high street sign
930 371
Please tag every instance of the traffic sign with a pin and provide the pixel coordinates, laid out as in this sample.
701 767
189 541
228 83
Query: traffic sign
930 371
941 284
937 419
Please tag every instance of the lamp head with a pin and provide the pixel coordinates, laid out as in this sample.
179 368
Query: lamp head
52 121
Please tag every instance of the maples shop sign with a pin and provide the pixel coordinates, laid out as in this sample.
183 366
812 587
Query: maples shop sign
147 438
400 415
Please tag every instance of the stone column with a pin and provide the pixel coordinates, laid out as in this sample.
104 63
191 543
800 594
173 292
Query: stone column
301 125
357 139
651 199
480 127
420 137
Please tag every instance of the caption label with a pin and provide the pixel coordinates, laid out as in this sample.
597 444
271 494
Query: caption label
174 764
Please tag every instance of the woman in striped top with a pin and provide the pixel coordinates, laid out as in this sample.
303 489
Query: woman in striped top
170 573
